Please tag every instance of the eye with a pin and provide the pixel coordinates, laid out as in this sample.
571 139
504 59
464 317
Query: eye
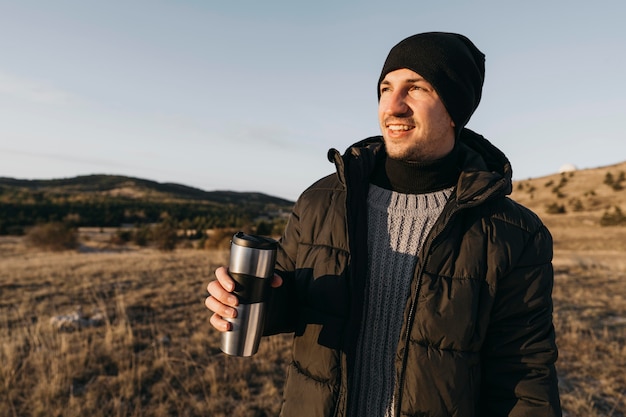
417 89
384 89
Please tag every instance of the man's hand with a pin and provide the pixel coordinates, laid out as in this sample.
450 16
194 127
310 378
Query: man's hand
222 302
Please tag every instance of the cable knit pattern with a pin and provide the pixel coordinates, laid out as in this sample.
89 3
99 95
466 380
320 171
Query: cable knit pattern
397 227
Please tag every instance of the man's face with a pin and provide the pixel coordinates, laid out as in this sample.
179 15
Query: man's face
414 122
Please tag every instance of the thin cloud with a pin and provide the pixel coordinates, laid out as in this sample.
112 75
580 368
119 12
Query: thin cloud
270 137
33 90
64 158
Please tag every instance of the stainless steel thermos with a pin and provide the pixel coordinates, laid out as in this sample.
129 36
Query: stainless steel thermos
252 260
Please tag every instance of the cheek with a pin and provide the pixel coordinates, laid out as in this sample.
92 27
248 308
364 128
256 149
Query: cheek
381 114
381 107
444 115
439 116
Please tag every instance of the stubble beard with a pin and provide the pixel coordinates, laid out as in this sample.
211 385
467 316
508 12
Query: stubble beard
414 152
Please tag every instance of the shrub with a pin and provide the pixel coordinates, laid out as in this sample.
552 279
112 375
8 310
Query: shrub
615 184
614 218
576 204
219 238
141 235
165 235
121 237
54 236
555 208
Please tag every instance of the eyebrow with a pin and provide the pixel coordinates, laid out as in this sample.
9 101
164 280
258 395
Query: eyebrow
409 80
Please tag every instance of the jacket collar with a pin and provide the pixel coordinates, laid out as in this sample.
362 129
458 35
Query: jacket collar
485 170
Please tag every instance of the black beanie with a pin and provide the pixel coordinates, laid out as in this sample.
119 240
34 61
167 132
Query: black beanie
448 61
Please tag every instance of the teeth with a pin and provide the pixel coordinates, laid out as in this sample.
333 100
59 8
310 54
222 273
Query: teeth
399 127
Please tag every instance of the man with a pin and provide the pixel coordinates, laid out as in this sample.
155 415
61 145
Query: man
413 285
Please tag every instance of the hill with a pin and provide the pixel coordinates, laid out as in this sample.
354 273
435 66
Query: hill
579 207
111 200
88 186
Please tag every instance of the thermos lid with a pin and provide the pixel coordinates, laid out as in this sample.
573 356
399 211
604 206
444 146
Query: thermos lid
254 241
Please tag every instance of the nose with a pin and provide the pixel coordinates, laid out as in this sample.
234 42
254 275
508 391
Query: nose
395 103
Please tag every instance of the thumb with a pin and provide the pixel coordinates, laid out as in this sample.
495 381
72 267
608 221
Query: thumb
277 281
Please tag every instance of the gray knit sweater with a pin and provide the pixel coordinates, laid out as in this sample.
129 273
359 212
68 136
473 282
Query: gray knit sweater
397 227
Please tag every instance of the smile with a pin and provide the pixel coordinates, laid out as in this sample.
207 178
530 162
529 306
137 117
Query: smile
399 128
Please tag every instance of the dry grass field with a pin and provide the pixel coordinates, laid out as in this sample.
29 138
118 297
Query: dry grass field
145 347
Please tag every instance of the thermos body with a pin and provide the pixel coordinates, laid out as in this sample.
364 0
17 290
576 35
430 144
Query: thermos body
252 260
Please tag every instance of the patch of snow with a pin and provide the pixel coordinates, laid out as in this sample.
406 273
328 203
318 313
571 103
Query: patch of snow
567 168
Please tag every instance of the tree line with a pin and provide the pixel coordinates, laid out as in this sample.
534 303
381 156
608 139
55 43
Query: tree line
16 216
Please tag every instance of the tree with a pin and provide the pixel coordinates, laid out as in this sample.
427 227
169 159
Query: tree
264 228
165 235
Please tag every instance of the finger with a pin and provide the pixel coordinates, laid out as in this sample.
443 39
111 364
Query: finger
277 281
218 292
220 309
224 279
219 323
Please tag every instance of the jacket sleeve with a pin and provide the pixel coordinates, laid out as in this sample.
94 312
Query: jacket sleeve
281 315
519 376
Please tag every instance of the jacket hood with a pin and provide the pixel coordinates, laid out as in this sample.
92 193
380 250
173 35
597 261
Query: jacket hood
485 170
493 159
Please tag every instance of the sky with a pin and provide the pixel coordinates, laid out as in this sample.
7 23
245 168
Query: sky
248 95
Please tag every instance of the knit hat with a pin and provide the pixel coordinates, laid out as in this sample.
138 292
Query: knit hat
448 61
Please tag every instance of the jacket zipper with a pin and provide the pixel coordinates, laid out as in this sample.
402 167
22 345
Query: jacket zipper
413 307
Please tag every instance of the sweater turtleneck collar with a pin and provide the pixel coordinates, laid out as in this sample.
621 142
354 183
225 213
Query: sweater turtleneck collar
417 177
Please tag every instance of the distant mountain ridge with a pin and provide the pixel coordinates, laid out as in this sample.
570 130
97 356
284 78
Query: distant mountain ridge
114 200
132 188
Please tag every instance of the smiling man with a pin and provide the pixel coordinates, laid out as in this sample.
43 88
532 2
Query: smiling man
413 285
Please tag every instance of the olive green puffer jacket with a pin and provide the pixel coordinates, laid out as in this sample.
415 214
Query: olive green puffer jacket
477 337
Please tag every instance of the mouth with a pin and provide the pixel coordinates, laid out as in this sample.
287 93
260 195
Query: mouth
396 125
399 128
